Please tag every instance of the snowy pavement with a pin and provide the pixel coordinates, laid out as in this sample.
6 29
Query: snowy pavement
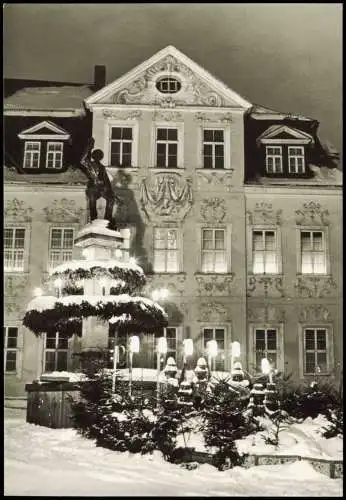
57 462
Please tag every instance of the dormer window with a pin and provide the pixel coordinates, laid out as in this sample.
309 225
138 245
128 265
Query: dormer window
274 159
32 154
54 155
296 160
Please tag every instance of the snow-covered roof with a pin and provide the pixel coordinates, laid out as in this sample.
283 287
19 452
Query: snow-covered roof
70 176
73 265
261 112
64 98
323 176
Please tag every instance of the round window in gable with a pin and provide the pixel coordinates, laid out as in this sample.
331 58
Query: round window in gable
168 85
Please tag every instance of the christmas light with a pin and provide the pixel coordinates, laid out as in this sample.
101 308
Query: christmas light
212 348
118 253
38 292
235 349
265 366
134 344
132 261
162 345
188 347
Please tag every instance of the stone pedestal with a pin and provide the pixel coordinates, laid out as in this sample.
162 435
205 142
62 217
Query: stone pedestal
99 244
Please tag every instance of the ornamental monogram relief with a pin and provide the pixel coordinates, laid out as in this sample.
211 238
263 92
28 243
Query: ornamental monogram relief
122 115
314 286
312 213
214 117
265 286
215 180
214 284
174 283
263 213
213 312
168 196
168 116
314 313
193 92
213 209
267 314
63 210
16 209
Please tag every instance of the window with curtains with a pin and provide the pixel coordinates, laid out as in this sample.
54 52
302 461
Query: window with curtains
167 147
315 351
313 252
214 259
14 249
265 258
166 250
121 147
60 246
274 159
213 148
296 160
218 334
54 155
10 348
266 346
55 352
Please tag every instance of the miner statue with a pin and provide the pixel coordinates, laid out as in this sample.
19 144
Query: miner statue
99 185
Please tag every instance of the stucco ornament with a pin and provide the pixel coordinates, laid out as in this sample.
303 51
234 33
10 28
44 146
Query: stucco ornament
15 290
213 312
173 282
213 209
314 286
215 180
167 196
213 284
122 115
312 213
260 285
314 313
267 314
263 213
17 209
63 210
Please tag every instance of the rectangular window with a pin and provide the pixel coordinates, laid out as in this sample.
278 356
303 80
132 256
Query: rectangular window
170 333
213 149
296 160
274 159
32 154
54 155
10 348
315 351
313 252
219 335
166 251
121 146
264 252
60 246
266 342
167 147
14 249
214 251
55 352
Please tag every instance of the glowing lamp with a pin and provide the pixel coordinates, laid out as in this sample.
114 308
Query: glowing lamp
134 344
212 348
118 253
162 345
188 347
132 261
235 349
38 292
58 283
265 366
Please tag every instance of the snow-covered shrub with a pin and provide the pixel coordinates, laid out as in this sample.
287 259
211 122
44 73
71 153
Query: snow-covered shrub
226 419
335 426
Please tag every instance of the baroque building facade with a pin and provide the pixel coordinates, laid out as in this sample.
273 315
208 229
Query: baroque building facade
232 208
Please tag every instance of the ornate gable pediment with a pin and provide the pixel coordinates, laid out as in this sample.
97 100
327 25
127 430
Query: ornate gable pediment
277 133
196 86
46 129
63 210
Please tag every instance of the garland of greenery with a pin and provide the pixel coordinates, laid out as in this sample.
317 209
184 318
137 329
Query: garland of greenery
133 279
66 318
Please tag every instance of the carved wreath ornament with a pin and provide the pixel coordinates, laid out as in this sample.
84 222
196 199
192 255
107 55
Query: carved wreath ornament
167 196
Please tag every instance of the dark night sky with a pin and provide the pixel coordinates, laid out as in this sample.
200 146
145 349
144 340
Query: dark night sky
284 56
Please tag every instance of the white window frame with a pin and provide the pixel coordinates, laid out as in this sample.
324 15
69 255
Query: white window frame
214 144
274 156
54 154
227 139
121 142
277 250
222 354
55 350
64 252
168 80
325 249
296 157
31 154
167 143
108 125
11 349
13 250
180 144
172 352
279 327
330 347
215 251
166 250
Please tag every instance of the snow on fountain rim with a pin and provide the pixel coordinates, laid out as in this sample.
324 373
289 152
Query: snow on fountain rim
48 301
74 265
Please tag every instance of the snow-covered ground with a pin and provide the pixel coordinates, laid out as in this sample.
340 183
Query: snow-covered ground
57 462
